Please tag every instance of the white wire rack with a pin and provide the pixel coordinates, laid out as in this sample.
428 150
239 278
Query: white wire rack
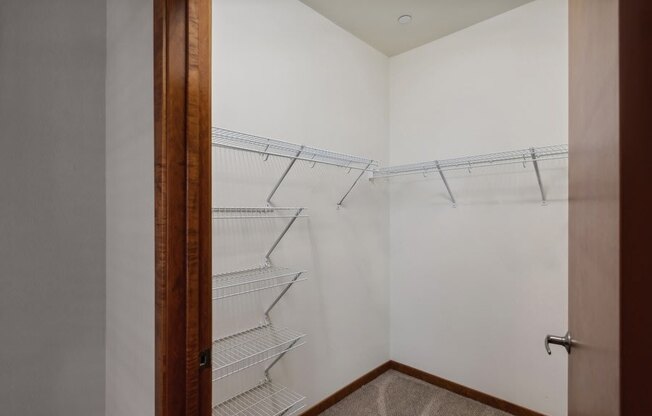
266 399
470 162
532 155
226 285
246 349
271 147
257 212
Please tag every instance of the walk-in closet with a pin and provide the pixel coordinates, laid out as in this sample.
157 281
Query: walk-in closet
389 193
325 207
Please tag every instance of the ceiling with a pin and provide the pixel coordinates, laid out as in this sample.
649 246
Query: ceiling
376 21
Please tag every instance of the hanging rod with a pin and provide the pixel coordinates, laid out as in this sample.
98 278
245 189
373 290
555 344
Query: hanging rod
532 155
271 147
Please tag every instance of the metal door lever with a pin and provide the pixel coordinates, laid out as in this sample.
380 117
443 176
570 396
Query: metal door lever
565 341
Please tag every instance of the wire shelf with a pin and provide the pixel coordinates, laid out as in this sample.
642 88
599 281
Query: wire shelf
469 162
271 147
226 285
257 212
246 349
266 399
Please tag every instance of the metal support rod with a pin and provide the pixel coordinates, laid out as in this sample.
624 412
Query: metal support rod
443 178
280 237
536 170
339 204
285 173
283 292
277 359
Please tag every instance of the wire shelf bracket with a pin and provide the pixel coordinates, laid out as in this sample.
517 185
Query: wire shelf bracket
268 255
262 212
448 188
535 163
266 399
285 173
271 147
339 204
532 155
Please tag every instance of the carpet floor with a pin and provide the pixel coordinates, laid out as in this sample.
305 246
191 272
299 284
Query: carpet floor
395 394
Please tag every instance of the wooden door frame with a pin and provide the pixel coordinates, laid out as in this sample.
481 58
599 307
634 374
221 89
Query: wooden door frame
182 116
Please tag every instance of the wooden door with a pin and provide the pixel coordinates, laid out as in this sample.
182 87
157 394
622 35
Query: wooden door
610 310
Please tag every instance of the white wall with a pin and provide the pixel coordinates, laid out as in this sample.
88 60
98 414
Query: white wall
474 289
129 209
52 230
282 70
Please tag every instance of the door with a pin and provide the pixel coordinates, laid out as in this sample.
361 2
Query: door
594 199
610 315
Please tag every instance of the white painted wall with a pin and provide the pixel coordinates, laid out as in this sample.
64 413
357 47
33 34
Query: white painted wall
52 231
474 289
129 209
282 70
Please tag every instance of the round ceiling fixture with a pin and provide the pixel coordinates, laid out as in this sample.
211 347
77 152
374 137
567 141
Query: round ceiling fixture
405 19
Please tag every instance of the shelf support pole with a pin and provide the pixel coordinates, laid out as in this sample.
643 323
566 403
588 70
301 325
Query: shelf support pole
339 204
443 178
283 292
536 170
277 359
280 237
285 173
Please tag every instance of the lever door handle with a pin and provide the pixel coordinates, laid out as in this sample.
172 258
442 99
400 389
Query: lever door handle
566 341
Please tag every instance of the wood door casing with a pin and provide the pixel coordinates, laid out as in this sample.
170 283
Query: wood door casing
636 207
182 147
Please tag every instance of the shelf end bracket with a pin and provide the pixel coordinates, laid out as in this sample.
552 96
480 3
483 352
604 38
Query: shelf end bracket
285 173
280 295
535 163
277 359
268 261
339 204
448 188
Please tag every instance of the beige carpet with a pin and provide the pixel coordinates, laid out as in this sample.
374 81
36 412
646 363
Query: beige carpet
395 394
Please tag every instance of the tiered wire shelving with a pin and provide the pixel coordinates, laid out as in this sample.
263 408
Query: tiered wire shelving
532 155
271 147
264 343
235 353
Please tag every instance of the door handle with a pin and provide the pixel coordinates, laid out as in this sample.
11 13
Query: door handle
566 341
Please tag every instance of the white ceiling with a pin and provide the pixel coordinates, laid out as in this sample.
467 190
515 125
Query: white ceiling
376 21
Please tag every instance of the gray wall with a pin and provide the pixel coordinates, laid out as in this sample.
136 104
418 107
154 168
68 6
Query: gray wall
52 207
130 209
